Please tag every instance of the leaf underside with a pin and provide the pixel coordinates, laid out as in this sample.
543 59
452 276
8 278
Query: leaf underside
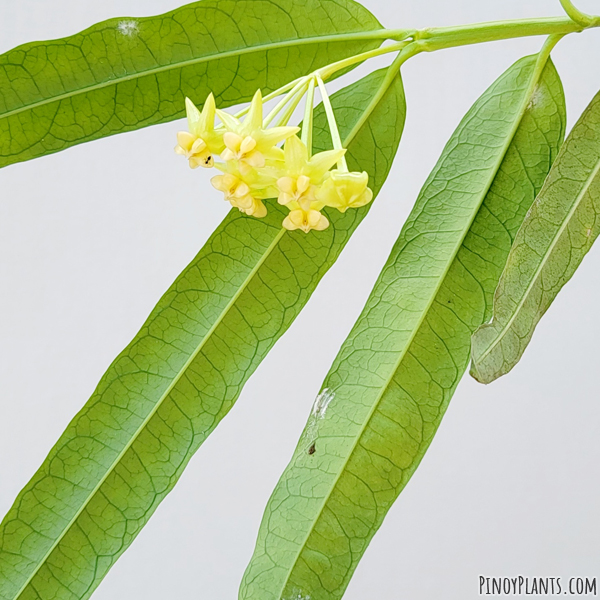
128 73
389 386
178 378
557 233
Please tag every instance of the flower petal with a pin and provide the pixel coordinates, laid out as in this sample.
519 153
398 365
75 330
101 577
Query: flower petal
296 155
198 146
186 140
228 120
273 135
286 184
323 161
227 155
245 202
260 210
241 190
233 141
291 222
302 184
322 224
207 117
219 183
284 198
255 159
248 144
193 115
254 119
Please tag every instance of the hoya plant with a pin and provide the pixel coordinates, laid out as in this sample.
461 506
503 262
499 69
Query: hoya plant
499 227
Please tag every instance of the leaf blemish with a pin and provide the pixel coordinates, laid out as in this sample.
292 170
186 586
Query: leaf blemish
128 28
537 97
298 596
322 403
318 411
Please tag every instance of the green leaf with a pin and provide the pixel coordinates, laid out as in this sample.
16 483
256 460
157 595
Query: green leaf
557 233
391 382
179 377
127 73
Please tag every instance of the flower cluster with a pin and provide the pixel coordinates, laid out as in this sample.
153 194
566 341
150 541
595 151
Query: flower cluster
256 168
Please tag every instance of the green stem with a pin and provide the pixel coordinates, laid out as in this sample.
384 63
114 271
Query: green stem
293 104
298 84
333 128
408 52
548 46
282 90
329 70
576 15
307 122
411 41
437 38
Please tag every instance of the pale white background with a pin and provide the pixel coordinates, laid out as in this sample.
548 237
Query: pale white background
91 237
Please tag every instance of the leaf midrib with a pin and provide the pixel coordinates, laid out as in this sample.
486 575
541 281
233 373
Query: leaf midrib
154 410
585 188
542 60
373 34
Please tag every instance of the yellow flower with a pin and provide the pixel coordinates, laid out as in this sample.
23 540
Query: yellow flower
343 190
299 190
303 174
258 209
244 193
256 168
202 141
299 185
236 192
239 195
306 220
194 149
247 142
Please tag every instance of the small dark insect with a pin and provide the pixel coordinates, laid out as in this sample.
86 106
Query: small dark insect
312 449
208 161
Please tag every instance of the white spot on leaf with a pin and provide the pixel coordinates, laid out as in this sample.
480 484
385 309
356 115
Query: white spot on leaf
297 596
538 97
321 403
128 28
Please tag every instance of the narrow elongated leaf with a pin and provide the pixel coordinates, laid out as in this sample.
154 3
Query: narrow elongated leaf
557 233
179 377
390 384
128 73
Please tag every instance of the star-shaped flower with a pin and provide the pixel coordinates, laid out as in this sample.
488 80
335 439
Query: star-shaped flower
299 185
248 142
245 193
202 141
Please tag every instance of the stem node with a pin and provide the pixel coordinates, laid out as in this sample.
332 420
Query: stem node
581 18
